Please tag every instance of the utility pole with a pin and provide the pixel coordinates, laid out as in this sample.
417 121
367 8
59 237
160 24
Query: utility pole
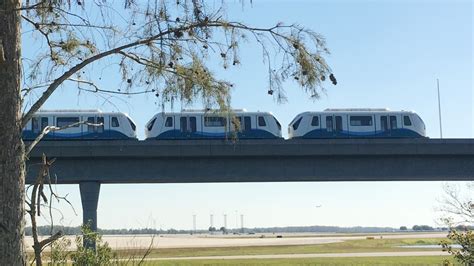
439 111
236 221
194 223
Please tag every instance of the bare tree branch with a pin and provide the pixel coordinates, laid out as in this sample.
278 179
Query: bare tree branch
146 41
36 106
49 129
97 89
34 210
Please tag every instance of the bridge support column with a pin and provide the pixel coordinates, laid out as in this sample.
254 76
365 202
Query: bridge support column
89 198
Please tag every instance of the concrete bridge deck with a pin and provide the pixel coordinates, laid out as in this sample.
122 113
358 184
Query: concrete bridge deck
258 160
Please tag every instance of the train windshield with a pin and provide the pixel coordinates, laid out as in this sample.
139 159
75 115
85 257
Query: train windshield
134 127
294 119
278 123
150 124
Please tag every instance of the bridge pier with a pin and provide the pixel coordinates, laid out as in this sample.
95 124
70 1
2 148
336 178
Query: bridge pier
89 198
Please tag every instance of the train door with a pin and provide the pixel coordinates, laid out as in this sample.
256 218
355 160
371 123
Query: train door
315 122
261 122
53 123
38 124
192 124
393 124
183 125
315 125
114 125
95 127
101 125
188 126
334 125
384 127
329 125
247 124
35 125
44 123
338 125
90 131
244 125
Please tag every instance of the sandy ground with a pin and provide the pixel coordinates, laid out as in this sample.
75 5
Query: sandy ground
188 241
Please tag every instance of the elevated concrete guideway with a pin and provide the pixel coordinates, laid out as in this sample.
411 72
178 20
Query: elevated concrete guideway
201 161
91 163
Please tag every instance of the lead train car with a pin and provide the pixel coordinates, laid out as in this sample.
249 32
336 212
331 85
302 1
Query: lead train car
210 125
357 123
115 125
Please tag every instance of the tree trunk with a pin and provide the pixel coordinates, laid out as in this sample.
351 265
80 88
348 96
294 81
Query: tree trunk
12 165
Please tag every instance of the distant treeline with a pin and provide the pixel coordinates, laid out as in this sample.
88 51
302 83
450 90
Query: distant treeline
429 228
323 229
46 230
68 230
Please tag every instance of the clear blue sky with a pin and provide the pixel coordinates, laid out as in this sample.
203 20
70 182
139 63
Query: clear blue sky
384 54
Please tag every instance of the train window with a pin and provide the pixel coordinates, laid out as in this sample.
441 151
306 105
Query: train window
406 120
100 120
67 121
261 121
35 124
132 124
44 123
393 122
315 121
115 122
169 121
150 125
90 120
214 121
278 123
192 122
297 123
329 123
361 120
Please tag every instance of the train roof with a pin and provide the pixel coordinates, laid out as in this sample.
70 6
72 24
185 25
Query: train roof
358 111
77 112
213 112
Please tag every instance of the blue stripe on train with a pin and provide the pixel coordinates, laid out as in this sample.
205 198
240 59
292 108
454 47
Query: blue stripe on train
250 134
107 134
394 133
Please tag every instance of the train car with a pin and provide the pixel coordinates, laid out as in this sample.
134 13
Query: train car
357 123
201 124
115 125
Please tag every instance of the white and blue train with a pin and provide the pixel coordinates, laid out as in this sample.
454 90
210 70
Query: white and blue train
199 124
357 123
113 125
